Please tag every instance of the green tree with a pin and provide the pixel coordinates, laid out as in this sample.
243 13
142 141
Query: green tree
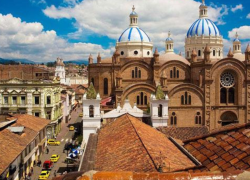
91 93
159 93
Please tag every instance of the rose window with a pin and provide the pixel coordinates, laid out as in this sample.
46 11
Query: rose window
227 79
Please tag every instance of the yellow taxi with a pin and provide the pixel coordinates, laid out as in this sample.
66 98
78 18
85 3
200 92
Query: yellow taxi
54 158
71 128
44 174
53 142
81 114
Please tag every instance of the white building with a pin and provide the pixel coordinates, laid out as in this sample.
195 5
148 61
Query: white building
60 72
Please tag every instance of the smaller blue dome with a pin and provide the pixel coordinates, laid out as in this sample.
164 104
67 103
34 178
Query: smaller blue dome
169 39
236 40
133 13
134 34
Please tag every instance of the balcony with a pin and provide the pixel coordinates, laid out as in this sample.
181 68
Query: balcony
49 105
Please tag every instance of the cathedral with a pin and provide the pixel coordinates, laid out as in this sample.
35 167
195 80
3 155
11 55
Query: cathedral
204 88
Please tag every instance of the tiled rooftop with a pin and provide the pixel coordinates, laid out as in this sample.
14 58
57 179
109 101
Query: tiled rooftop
227 149
183 133
127 144
12 144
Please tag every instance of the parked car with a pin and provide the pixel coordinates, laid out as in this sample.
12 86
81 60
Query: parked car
44 174
48 164
54 158
53 142
71 128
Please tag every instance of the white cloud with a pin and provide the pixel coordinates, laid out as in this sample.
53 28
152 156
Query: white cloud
111 18
237 7
19 39
242 31
248 16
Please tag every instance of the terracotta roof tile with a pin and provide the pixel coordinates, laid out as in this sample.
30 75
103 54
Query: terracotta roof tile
183 133
128 144
229 145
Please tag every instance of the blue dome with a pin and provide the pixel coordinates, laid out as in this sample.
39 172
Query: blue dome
134 34
204 27
169 39
236 40
133 13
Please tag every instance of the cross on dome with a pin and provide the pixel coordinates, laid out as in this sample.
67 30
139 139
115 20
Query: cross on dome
169 33
236 35
133 8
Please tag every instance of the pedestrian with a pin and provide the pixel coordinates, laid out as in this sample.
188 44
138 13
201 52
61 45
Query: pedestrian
55 173
31 170
47 149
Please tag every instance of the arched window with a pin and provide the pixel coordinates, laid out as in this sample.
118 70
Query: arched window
173 119
182 99
136 69
138 100
167 46
48 99
145 100
93 81
187 53
105 83
171 73
177 73
133 73
186 99
141 98
219 53
91 111
223 95
238 47
139 73
174 72
199 52
213 52
198 118
160 110
231 95
122 53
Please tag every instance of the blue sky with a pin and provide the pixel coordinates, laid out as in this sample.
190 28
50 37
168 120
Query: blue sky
41 30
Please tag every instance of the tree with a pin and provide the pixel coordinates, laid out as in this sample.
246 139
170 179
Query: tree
159 93
91 93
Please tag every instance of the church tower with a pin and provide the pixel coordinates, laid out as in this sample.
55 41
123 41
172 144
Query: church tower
237 45
60 70
169 44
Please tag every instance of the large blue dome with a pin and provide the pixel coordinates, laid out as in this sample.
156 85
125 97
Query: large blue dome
203 26
134 34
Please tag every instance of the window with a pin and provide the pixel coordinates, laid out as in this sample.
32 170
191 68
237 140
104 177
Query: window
14 100
174 73
122 53
135 52
167 46
142 99
199 52
93 81
219 53
48 115
173 119
198 118
160 110
186 99
148 53
227 91
37 114
48 100
23 99
6 100
37 100
105 84
187 53
91 111
213 52
136 73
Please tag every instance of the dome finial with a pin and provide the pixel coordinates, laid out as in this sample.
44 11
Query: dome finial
203 1
236 35
169 33
133 8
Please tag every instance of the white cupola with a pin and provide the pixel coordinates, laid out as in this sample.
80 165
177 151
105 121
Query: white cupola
60 70
203 10
169 44
133 18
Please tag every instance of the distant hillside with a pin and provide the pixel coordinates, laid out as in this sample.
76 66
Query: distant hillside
79 62
16 61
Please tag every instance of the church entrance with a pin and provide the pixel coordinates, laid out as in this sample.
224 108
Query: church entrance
228 118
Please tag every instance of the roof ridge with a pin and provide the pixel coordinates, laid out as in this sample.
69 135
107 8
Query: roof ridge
127 115
217 132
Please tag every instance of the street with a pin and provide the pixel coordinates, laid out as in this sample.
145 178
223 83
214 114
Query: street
64 136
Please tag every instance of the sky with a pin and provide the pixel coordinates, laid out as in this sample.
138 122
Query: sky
42 30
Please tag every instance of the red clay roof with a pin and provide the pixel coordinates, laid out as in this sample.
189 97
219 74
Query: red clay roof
184 133
79 88
127 144
12 144
222 150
